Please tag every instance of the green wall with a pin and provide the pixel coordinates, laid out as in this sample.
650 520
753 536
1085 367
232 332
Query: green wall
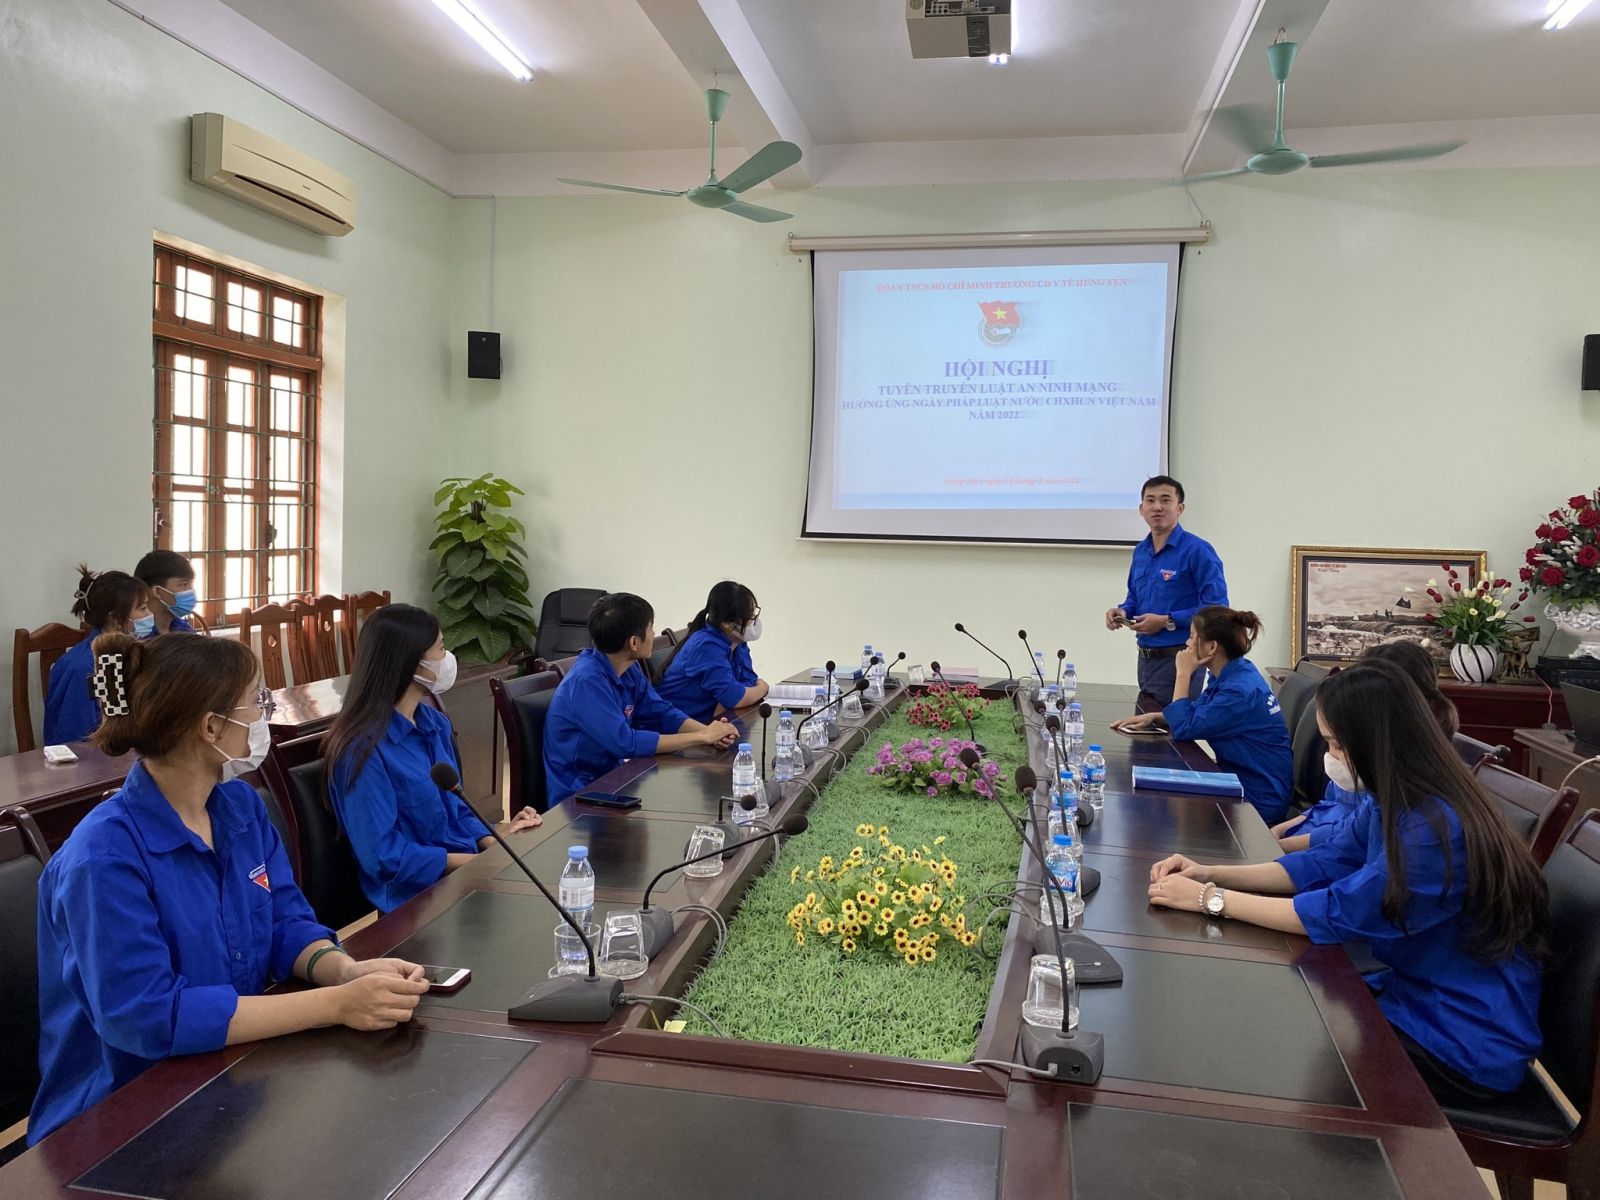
94 160
1363 358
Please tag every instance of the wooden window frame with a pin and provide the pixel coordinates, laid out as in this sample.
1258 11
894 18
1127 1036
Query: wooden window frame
226 352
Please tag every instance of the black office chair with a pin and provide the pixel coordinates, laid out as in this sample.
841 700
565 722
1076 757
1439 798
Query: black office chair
23 853
521 706
327 868
564 623
660 655
1527 1136
287 833
1472 752
1296 691
1310 781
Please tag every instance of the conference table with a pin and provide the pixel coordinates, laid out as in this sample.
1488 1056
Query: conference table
1240 1062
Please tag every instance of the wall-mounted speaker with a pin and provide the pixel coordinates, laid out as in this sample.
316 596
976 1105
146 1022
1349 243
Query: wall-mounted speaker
483 354
1591 363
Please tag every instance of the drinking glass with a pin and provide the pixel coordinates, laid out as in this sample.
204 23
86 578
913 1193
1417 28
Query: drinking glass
571 957
704 840
1043 1004
622 953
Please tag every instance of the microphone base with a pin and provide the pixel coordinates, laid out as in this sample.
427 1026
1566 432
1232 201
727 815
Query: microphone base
774 791
833 730
658 929
1092 963
1078 1057
576 999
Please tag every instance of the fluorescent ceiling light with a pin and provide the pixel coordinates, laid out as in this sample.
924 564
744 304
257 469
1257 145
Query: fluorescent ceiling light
1563 12
476 25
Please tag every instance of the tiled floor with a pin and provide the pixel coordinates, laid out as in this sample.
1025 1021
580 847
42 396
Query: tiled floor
1541 1189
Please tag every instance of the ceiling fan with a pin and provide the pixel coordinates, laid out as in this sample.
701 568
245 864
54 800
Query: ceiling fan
724 193
1251 127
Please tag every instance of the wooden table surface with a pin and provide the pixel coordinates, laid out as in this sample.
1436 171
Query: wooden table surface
1239 1062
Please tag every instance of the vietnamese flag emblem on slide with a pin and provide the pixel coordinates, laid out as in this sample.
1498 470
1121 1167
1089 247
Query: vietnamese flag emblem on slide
1001 320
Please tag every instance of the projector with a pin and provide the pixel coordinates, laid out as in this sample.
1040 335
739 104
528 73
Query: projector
958 28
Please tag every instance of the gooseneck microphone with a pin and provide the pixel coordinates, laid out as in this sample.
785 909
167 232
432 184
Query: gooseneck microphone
578 998
657 922
1023 634
860 686
770 786
1010 678
888 667
1061 658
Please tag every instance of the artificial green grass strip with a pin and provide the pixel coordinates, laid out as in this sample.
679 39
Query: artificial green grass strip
766 988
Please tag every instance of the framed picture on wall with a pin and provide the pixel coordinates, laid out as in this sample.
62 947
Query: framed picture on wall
1343 599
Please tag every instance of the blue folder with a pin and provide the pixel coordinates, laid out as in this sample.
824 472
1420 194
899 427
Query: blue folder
1199 783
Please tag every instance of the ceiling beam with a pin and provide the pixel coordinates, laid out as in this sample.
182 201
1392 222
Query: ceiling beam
1240 75
713 37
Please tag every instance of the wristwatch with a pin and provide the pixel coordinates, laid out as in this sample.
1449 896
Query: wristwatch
1211 901
1171 625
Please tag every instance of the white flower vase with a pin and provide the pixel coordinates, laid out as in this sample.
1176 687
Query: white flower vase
1582 621
1474 664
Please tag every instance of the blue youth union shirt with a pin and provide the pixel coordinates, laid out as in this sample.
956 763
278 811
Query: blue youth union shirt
147 938
400 823
1329 815
1240 717
71 713
711 669
599 718
1479 1018
1181 580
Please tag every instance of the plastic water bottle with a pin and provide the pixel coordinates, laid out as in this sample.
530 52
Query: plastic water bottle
1038 665
816 732
1064 813
783 760
1051 751
1052 693
1069 682
1061 864
746 784
576 890
875 680
1094 778
1074 731
866 659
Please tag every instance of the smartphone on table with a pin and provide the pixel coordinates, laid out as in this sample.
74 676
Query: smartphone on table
446 981
608 799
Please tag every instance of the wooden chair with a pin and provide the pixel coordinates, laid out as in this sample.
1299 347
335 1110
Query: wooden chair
358 606
1527 1135
276 625
520 706
1537 813
323 632
49 642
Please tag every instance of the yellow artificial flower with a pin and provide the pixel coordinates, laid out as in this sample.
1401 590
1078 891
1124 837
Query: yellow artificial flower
825 926
939 841
912 957
929 954
888 915
847 906
881 929
825 863
811 897
872 901
810 876
921 919
880 887
849 945
935 904
856 852
916 856
897 897
799 938
863 830
916 892
794 874
862 896
877 871
883 829
883 839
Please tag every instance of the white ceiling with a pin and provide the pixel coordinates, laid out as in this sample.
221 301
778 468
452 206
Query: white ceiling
1097 88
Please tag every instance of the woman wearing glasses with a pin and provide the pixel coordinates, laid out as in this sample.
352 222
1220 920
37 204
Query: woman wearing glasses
711 671
171 909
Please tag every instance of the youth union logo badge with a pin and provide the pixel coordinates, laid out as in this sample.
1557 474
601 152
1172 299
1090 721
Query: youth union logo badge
1169 576
1001 320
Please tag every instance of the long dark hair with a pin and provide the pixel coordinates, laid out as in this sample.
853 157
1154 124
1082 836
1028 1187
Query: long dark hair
1403 759
727 601
106 595
391 644
1423 671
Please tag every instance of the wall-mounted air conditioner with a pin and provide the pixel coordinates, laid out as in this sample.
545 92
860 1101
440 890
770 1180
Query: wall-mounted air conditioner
248 165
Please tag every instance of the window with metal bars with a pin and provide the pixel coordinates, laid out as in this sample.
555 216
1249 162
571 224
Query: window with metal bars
238 369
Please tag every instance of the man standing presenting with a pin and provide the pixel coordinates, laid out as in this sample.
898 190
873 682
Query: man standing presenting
1173 574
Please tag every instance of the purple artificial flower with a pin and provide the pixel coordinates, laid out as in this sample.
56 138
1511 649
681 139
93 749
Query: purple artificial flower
942 778
983 789
961 776
920 756
990 770
933 791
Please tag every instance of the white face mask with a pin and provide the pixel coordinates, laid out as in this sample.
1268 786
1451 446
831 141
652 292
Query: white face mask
1333 767
260 743
751 631
444 671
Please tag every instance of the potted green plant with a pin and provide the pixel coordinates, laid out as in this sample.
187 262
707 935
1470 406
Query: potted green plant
1564 564
482 581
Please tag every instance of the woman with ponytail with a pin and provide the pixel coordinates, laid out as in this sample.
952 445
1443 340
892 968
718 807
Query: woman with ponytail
1237 714
1427 874
106 602
711 671
171 909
